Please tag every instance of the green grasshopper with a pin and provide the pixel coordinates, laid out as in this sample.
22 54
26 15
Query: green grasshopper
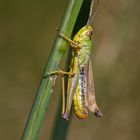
80 86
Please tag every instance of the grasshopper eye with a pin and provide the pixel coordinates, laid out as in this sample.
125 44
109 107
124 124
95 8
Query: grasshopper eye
89 33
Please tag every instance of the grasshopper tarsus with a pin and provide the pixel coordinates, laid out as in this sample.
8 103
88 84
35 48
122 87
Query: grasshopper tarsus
65 116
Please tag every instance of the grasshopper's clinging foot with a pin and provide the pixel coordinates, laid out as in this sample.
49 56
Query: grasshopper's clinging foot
65 116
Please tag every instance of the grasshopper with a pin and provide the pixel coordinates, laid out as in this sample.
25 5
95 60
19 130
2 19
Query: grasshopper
80 86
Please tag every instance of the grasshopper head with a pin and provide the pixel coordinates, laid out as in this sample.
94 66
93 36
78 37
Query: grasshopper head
86 31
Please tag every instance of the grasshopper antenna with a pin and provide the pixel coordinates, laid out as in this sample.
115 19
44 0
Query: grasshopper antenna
91 14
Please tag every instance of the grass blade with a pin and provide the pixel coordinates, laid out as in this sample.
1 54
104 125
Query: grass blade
35 119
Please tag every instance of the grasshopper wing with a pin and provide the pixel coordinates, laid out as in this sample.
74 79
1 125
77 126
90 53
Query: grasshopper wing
90 95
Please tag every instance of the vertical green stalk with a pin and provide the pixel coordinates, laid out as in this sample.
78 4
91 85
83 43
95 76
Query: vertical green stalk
35 119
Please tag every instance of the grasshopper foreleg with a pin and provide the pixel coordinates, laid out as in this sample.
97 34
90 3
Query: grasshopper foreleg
73 44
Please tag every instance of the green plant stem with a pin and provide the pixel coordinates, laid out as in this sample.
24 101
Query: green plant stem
35 119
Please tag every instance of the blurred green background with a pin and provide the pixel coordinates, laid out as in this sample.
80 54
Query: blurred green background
27 32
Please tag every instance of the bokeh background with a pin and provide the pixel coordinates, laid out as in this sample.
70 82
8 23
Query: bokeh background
27 32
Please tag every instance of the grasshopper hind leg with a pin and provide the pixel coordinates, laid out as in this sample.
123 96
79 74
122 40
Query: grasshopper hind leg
65 115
